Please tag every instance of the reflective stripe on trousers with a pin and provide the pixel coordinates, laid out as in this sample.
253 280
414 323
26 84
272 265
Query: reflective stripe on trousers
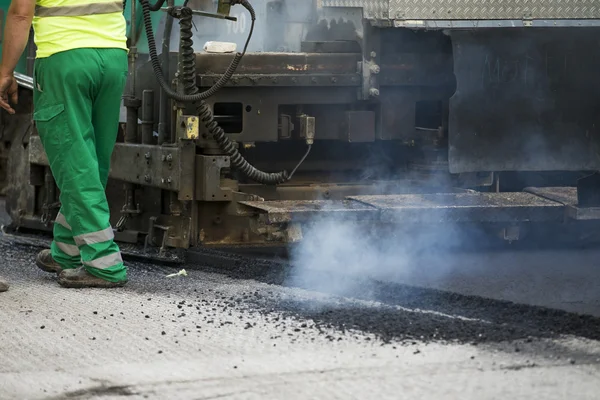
68 249
105 262
79 9
61 220
95 237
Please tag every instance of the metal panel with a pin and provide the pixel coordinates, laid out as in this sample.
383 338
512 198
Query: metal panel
283 211
494 9
208 171
464 207
494 23
568 197
450 10
526 100
418 208
372 9
148 165
169 168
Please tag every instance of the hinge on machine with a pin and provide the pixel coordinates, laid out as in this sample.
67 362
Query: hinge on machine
46 212
125 214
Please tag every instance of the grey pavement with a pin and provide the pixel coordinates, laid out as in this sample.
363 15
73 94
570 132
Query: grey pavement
238 335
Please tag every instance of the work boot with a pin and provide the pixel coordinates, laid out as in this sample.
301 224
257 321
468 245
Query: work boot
46 263
3 285
80 278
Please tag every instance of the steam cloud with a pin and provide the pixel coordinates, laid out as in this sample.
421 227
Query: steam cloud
342 255
339 254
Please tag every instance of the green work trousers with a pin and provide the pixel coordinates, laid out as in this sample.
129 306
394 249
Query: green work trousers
77 99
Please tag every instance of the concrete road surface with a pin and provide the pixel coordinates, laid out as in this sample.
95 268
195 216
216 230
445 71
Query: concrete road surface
250 333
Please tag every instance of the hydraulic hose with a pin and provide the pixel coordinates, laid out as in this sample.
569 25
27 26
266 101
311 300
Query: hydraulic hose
192 94
189 62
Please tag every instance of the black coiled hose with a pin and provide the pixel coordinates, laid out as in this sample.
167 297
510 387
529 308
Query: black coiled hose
237 161
177 12
192 94
187 66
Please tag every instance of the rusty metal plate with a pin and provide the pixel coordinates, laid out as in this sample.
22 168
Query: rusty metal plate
417 208
463 207
493 9
304 210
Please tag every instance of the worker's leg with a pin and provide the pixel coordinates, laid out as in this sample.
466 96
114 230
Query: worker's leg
106 107
66 86
105 119
63 253
51 118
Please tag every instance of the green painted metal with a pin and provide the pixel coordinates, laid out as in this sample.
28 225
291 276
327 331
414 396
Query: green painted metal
142 43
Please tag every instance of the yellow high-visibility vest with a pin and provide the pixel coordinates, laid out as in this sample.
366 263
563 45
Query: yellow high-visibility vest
61 25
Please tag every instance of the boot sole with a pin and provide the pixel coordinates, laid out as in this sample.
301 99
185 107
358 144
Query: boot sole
45 268
83 285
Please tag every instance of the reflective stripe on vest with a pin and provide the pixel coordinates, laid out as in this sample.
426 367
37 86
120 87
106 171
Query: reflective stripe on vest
79 10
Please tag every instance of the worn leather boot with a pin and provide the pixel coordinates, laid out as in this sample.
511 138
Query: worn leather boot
80 278
46 263
3 285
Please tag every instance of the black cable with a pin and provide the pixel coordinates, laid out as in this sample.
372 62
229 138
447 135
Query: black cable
178 12
192 94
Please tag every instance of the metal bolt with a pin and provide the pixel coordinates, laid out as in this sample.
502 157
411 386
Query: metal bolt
333 80
169 180
147 155
374 92
375 69
169 157
147 178
373 54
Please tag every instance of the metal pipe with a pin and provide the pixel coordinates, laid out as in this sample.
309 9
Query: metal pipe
132 104
131 129
148 116
130 101
50 187
163 114
132 48
24 80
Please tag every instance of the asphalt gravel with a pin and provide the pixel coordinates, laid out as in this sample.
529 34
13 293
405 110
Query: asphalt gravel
237 327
